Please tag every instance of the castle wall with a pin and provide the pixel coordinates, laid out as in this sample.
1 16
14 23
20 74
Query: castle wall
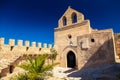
98 50
11 54
21 48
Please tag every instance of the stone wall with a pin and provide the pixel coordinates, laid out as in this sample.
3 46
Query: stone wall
25 48
12 54
117 43
62 41
68 15
91 47
95 49
62 32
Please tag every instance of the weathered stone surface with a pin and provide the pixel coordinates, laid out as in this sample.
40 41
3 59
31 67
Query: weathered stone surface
117 43
78 45
11 54
90 47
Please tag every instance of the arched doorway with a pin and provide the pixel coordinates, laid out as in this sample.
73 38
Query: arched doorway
71 60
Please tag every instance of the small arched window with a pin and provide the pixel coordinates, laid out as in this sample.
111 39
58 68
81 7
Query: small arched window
64 21
74 17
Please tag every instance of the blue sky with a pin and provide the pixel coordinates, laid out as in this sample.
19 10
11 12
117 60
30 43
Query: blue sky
35 20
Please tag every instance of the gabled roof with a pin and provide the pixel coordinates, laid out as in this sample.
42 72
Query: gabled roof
69 16
70 11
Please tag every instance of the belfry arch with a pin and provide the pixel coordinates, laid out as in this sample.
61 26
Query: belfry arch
64 21
71 59
74 17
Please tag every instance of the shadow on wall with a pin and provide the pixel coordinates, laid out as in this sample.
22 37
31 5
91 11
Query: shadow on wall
10 68
99 65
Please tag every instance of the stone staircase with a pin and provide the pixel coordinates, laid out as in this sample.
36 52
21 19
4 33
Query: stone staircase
6 60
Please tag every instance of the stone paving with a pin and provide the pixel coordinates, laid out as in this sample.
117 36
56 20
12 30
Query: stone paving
58 74
105 72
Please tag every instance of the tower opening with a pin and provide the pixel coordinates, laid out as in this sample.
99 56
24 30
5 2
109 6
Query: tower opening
64 21
74 18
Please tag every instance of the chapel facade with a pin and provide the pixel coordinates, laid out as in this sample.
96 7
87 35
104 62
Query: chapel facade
79 46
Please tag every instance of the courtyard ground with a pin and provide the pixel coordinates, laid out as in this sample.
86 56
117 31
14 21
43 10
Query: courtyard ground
104 72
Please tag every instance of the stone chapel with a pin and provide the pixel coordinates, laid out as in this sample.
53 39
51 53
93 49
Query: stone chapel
79 46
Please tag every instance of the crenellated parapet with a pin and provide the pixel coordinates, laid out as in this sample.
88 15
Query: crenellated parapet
1 41
24 47
15 51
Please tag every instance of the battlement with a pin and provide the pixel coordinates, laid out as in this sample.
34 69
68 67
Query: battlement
15 50
24 47
11 42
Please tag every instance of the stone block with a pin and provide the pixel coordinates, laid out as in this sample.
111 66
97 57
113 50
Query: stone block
11 42
27 43
33 44
20 42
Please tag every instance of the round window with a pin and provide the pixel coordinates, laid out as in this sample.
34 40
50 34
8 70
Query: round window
69 36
